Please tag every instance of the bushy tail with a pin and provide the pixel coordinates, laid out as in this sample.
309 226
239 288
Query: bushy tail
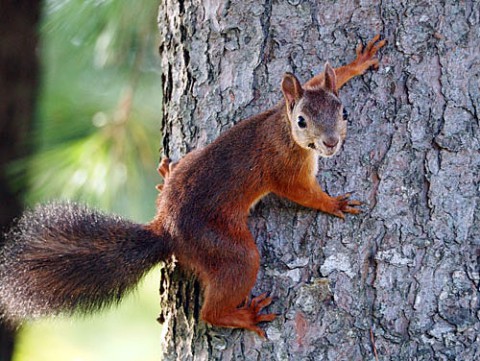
66 258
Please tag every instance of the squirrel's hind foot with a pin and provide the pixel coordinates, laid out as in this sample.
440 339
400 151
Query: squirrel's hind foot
246 316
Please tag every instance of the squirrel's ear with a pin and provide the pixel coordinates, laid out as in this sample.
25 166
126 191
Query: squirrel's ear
330 79
291 88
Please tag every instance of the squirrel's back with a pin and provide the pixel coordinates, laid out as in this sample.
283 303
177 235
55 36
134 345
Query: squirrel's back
229 174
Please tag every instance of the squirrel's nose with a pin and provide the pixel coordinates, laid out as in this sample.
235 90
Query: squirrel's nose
330 142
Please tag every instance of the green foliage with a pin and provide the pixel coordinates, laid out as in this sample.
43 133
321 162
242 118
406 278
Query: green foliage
97 130
127 333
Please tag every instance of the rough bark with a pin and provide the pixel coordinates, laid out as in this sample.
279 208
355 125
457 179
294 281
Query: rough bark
18 84
402 279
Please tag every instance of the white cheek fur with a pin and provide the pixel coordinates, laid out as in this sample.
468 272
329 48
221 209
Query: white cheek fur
314 165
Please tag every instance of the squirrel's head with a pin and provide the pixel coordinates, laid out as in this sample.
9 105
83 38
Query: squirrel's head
316 115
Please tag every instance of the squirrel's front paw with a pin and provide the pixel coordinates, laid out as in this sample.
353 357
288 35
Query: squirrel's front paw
164 167
342 204
366 57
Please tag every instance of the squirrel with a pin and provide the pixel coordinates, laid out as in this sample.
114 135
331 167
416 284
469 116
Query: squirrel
67 258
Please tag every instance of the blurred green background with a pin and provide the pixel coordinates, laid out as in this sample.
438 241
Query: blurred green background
96 140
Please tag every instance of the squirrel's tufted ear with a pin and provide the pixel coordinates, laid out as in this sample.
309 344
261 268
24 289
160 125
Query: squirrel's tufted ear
292 89
330 79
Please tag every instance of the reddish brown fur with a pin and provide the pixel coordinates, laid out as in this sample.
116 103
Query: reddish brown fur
205 201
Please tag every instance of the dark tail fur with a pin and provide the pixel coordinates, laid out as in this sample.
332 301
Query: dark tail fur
66 258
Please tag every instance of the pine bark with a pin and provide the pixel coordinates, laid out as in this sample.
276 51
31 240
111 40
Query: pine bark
399 282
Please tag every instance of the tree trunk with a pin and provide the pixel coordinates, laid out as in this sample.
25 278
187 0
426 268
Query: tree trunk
401 280
18 85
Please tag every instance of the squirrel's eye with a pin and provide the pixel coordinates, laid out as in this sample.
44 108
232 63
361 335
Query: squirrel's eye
345 114
302 123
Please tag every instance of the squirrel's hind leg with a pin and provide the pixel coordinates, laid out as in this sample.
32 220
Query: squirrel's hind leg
226 292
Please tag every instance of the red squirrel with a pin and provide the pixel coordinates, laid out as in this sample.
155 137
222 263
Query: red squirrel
66 258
